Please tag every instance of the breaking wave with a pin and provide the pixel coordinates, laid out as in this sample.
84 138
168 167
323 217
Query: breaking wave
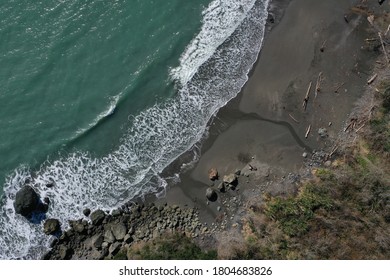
212 70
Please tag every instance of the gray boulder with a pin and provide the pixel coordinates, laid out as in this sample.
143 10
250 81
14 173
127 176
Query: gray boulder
211 194
51 226
97 217
119 230
26 201
109 236
97 241
213 174
230 179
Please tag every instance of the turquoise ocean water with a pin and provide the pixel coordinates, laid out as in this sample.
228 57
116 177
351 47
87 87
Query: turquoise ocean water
101 96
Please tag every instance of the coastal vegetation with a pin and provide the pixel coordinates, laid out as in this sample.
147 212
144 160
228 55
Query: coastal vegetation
343 212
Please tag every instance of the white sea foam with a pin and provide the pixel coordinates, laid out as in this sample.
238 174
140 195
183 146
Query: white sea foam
212 70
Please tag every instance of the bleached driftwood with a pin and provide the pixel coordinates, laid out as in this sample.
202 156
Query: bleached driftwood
308 131
372 79
306 99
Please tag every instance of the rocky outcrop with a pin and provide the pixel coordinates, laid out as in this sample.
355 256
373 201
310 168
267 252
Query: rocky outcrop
105 235
27 201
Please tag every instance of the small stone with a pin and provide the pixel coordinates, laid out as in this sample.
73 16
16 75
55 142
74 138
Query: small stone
322 132
230 179
221 187
64 252
304 155
219 208
119 231
51 226
109 236
49 185
237 172
330 124
328 163
116 212
79 227
128 239
97 241
97 217
86 212
213 174
114 248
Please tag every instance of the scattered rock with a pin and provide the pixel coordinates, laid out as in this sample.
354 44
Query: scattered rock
50 184
26 201
65 253
86 212
97 240
119 231
128 239
114 248
213 174
211 194
51 226
230 179
221 187
304 155
97 217
327 163
109 236
322 132
116 212
79 228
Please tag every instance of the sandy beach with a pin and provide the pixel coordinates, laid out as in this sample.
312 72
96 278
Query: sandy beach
265 125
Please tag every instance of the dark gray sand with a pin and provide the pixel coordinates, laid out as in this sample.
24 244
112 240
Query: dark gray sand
265 125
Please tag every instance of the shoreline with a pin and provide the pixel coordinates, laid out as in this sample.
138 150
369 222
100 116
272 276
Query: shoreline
288 141
256 133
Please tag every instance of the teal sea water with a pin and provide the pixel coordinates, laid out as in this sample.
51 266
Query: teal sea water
100 96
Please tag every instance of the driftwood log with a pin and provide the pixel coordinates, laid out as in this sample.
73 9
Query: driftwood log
306 99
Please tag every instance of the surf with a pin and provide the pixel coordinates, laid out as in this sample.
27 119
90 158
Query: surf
211 71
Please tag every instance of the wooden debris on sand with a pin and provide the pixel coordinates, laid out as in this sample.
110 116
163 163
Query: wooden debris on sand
372 79
351 124
308 131
318 84
384 49
306 99
294 119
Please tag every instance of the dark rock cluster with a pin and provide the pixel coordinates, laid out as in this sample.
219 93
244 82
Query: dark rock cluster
104 235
